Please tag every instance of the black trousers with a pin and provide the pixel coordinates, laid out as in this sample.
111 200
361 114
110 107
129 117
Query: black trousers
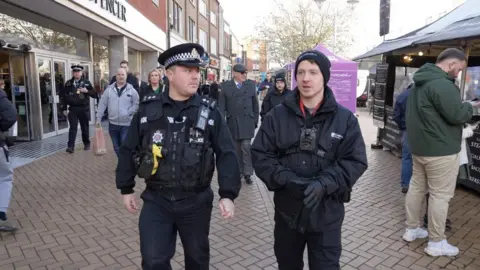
161 219
76 115
324 248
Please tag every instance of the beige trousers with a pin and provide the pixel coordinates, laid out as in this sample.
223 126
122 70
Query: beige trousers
437 175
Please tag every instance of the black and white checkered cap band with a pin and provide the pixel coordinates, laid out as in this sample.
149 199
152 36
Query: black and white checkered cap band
182 57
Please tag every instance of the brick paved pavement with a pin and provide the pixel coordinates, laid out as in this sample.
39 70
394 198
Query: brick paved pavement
72 218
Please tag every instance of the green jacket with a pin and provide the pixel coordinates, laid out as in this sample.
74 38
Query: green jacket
435 113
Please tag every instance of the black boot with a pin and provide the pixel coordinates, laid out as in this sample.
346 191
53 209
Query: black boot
70 150
87 147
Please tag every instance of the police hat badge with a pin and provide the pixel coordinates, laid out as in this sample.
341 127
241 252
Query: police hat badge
195 53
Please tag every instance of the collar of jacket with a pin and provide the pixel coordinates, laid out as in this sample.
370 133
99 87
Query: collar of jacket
194 100
329 105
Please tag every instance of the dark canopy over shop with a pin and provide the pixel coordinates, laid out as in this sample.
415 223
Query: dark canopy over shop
463 23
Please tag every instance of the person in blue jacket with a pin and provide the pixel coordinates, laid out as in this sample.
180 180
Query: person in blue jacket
399 118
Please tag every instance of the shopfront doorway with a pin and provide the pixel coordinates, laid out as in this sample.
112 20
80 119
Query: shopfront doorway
12 71
52 74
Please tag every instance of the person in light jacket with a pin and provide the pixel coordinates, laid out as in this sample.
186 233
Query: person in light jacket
122 101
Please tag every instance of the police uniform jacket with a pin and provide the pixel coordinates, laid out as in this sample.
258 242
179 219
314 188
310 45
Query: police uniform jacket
240 107
75 99
338 163
189 162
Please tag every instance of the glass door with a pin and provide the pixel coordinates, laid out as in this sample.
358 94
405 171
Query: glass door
20 96
51 74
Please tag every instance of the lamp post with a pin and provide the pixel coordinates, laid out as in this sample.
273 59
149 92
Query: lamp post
319 3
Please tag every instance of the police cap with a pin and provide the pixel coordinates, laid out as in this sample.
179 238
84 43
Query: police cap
77 68
187 54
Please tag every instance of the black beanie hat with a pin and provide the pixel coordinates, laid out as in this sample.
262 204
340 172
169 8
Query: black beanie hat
320 59
280 77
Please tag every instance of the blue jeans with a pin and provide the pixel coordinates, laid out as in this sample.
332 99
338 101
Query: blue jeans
406 161
118 135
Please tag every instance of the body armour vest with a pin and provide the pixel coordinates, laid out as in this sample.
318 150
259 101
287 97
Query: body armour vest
188 162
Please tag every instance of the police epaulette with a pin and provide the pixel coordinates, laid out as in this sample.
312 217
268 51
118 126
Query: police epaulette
150 97
208 102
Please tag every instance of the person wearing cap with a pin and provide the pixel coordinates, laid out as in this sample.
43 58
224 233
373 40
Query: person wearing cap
76 107
276 95
179 136
309 151
239 104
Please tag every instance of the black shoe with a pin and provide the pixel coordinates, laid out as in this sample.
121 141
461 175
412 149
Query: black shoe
448 225
70 150
6 227
425 221
248 179
404 190
87 147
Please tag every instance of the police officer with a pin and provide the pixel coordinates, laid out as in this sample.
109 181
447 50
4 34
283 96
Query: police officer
76 106
175 136
309 150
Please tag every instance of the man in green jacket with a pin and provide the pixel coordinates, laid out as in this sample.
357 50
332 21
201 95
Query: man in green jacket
435 118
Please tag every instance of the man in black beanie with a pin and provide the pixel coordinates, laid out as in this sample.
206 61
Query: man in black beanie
310 151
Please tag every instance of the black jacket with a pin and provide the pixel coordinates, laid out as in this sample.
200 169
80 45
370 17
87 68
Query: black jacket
72 98
272 99
160 108
8 113
131 79
342 163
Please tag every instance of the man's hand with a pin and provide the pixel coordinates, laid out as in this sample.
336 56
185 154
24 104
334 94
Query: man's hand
313 194
83 90
227 208
130 203
65 113
297 186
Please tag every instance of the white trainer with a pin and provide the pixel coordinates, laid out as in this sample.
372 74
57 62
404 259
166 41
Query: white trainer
442 248
411 235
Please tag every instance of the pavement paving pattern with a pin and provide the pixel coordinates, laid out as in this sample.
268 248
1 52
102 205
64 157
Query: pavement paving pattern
71 217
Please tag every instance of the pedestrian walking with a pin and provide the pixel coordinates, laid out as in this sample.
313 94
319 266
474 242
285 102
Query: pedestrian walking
176 136
275 96
8 117
154 84
435 118
399 118
131 79
76 107
310 151
239 103
121 100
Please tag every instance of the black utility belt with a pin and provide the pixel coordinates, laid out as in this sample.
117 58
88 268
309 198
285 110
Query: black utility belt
166 189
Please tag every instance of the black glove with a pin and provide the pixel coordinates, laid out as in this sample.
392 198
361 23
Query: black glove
313 194
297 187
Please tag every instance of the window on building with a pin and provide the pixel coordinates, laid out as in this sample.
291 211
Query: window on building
155 2
203 39
192 30
213 46
226 43
177 17
202 7
213 18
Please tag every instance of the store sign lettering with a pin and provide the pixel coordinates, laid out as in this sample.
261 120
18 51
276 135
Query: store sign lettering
114 7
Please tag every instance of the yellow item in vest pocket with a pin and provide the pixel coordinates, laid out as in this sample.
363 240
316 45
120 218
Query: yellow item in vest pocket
157 153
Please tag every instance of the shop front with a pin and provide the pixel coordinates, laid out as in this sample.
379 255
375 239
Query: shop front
39 44
213 69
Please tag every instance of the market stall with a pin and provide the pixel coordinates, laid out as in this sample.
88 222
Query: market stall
343 78
404 55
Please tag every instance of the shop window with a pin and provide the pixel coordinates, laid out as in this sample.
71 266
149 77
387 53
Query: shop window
133 60
18 31
101 76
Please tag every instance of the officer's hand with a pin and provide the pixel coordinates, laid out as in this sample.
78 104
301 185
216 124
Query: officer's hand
313 194
83 90
297 187
130 203
65 113
227 208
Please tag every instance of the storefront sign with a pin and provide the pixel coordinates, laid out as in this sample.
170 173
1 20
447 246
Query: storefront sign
114 7
391 136
213 63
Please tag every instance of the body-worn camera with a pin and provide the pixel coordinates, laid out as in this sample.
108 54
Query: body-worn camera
203 114
308 139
